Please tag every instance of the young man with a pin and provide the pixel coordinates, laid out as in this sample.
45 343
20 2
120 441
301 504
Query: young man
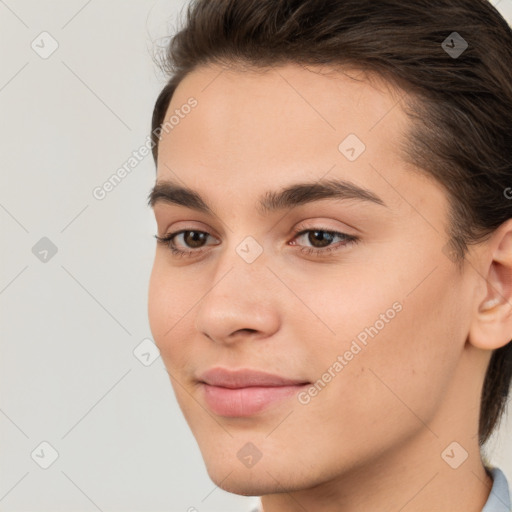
332 287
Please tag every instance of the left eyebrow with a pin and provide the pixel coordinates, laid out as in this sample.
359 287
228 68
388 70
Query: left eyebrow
271 201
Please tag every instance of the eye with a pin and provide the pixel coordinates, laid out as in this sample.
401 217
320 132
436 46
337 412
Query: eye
195 241
320 238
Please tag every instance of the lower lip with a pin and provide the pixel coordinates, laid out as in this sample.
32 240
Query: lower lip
243 402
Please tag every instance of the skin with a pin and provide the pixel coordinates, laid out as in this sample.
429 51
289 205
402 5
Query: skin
372 439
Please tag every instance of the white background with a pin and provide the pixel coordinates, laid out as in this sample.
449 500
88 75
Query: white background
69 326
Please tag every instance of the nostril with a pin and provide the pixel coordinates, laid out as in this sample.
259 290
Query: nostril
247 330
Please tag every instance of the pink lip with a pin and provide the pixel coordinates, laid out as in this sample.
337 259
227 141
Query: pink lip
245 392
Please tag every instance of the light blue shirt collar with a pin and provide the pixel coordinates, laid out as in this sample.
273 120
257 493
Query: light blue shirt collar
499 498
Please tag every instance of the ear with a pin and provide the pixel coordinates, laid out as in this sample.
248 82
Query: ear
491 326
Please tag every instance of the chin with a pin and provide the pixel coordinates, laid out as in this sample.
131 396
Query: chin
266 477
244 482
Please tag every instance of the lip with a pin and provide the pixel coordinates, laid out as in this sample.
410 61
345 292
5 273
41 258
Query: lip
245 378
245 392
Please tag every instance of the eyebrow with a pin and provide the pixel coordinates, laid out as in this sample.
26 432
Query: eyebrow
271 201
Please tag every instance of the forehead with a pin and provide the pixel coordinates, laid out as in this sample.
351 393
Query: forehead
256 126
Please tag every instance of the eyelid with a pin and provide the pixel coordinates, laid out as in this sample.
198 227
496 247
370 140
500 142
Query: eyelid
321 226
185 225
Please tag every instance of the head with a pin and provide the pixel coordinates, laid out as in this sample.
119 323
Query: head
381 136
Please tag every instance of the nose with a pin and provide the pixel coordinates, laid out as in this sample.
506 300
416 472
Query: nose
240 302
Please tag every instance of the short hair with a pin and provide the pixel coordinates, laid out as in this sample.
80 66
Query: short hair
460 106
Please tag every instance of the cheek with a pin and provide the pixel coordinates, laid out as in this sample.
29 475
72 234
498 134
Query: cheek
166 306
397 337
401 359
171 307
157 303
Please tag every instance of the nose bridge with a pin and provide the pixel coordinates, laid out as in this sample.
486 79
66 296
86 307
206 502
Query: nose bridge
238 296
240 266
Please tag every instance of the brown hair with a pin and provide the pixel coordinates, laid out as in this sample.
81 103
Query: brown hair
460 105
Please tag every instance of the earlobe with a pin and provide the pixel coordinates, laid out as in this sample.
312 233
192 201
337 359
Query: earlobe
491 327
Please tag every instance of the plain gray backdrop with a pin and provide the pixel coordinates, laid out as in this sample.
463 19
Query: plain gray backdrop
88 418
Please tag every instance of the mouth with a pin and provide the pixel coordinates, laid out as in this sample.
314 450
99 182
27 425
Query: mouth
243 393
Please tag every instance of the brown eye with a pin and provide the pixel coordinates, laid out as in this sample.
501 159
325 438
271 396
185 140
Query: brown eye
191 242
319 238
319 241
194 239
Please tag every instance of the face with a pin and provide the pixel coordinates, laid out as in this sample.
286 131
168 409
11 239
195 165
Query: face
343 296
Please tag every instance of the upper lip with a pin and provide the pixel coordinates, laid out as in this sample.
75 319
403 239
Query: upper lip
245 378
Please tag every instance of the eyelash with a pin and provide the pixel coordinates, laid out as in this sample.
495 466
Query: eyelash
348 240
